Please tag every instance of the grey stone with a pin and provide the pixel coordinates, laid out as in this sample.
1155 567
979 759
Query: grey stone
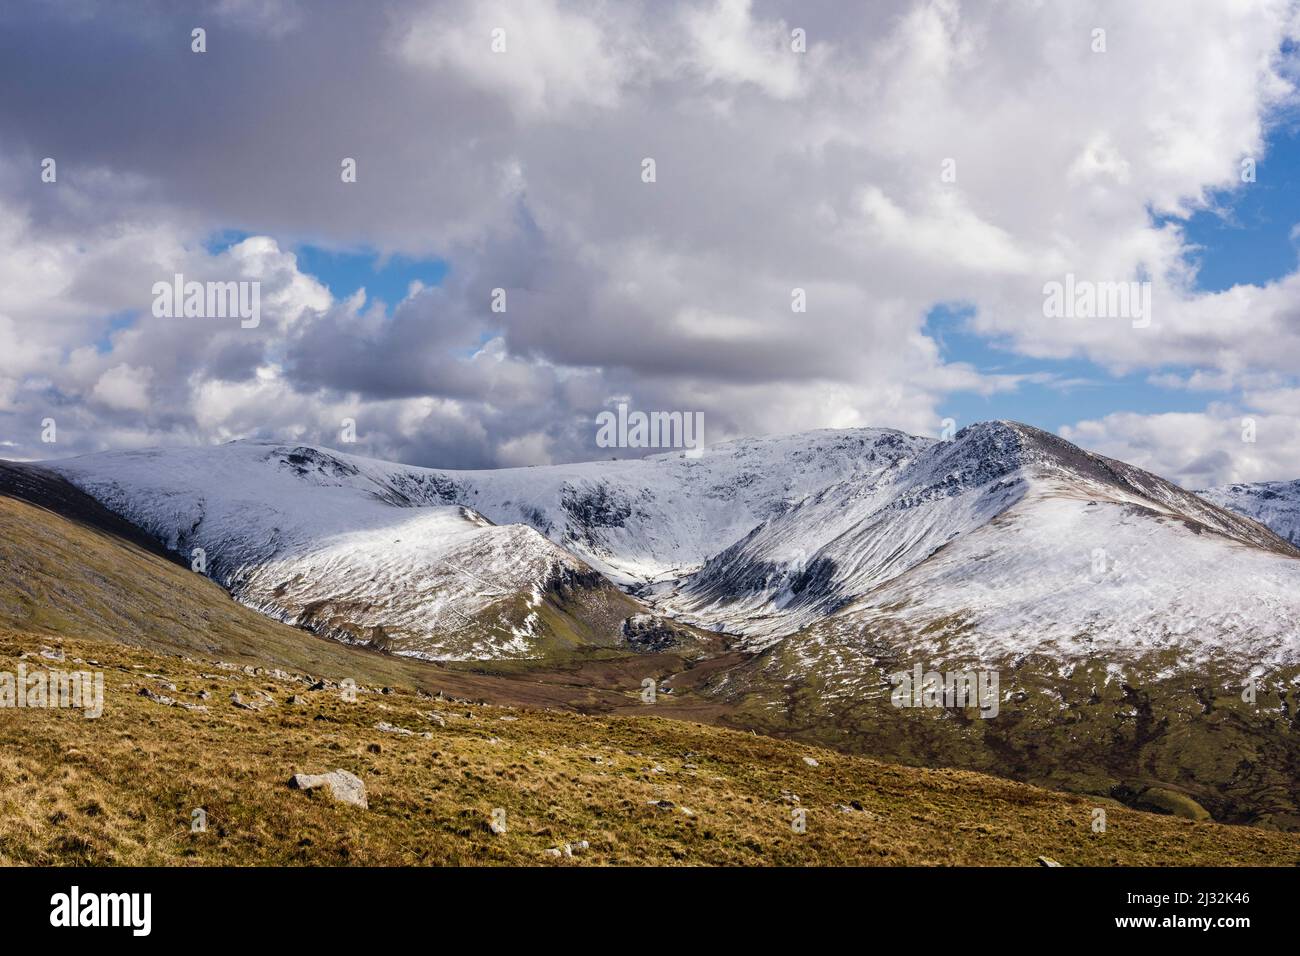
343 786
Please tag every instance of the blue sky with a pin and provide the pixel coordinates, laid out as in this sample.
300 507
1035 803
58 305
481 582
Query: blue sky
1247 237
1079 389
386 278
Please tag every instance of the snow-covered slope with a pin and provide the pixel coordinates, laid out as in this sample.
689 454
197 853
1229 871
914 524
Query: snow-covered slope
852 536
635 520
856 537
403 557
1070 578
1272 503
322 540
763 538
659 518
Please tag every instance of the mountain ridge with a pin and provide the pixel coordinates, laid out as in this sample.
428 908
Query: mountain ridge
854 538
1275 504
759 537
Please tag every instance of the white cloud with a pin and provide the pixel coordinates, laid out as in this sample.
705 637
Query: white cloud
729 45
547 58
776 170
1223 444
124 388
530 449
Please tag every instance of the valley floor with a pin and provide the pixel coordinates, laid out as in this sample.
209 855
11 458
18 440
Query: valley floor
123 788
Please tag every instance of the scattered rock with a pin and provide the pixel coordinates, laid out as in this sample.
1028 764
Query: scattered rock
343 786
662 804
295 699
856 808
52 654
401 731
810 761
1046 861
203 695
567 849
156 698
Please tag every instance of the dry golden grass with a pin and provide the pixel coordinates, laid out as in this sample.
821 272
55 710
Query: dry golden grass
121 789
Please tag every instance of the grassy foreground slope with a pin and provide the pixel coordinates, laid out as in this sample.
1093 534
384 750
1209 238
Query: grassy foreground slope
121 789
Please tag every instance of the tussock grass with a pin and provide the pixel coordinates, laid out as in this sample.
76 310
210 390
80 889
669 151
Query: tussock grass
121 789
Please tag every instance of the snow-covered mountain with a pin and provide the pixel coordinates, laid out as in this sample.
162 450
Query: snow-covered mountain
660 518
405 557
1272 503
1006 535
326 541
635 520
1013 532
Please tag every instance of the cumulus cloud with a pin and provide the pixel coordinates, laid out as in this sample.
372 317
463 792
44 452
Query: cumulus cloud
918 152
1199 450
123 387
539 57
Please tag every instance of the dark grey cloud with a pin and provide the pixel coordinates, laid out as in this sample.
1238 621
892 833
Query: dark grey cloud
522 170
